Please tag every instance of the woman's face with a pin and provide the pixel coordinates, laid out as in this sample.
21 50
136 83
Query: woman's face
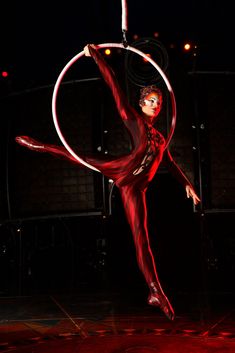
151 107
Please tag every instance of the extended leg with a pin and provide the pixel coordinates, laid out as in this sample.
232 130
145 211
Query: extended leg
57 151
134 202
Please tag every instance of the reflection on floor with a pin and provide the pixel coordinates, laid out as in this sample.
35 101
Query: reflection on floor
115 322
62 292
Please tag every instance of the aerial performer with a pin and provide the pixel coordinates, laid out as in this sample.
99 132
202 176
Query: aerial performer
133 171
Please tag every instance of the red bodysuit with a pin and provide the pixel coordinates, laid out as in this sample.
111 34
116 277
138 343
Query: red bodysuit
131 173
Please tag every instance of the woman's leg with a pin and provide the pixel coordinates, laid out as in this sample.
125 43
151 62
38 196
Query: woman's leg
57 151
134 202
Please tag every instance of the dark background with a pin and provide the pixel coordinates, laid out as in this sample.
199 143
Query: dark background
56 229
38 39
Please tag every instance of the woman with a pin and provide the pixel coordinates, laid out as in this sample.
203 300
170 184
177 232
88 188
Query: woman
132 172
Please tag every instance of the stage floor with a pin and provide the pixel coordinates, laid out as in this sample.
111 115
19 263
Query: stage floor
114 321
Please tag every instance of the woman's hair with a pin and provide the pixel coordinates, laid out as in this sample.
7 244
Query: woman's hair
146 90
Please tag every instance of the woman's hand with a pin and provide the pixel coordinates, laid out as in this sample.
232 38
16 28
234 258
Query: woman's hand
86 49
191 193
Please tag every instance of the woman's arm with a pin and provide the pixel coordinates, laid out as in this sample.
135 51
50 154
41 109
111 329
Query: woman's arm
175 170
123 106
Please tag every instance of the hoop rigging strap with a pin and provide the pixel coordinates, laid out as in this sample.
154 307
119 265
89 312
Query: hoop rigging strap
124 16
124 23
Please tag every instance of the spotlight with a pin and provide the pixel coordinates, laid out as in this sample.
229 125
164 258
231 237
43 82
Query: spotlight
107 52
187 46
145 60
4 74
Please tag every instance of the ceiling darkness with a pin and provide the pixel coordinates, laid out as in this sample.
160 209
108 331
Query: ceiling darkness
38 39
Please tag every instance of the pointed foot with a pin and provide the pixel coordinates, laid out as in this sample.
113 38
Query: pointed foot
29 143
161 301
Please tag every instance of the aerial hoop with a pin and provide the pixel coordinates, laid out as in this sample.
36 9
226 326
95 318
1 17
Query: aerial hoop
78 56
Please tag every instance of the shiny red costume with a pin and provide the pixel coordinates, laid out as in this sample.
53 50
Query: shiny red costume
132 174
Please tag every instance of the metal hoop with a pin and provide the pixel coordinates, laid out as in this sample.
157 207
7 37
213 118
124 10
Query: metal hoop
78 56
